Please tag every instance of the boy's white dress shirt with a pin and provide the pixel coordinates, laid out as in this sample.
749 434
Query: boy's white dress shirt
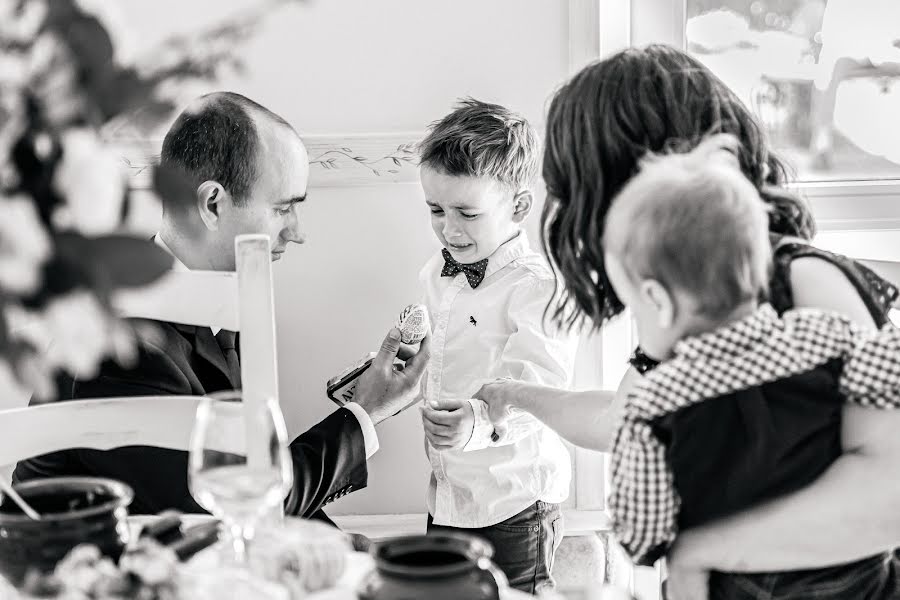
495 330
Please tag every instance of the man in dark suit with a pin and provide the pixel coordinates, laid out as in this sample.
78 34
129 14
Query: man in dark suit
248 171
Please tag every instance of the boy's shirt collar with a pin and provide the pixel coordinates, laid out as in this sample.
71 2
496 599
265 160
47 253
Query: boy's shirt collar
506 253
509 251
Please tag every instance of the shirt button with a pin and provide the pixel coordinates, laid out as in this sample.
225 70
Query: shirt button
536 528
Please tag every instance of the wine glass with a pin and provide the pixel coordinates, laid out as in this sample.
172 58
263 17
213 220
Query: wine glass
227 479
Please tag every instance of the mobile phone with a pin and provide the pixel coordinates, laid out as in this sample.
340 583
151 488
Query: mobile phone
342 387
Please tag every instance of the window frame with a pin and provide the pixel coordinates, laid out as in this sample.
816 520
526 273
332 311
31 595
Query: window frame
845 211
857 204
597 28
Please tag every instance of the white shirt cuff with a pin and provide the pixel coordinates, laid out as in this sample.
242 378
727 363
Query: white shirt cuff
370 436
483 429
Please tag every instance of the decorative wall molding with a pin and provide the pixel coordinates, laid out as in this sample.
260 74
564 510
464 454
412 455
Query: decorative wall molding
139 156
335 160
368 159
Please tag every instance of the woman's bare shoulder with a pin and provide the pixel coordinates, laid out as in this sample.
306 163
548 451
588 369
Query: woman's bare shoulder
818 283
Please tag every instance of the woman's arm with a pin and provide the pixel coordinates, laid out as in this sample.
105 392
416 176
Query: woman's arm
849 512
586 419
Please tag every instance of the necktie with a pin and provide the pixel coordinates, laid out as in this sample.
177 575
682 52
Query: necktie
474 272
226 341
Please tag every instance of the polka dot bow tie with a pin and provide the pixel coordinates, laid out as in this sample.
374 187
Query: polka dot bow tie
474 272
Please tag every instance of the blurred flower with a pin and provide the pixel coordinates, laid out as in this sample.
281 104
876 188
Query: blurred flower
55 82
20 21
82 333
13 122
14 70
24 245
74 333
93 179
64 190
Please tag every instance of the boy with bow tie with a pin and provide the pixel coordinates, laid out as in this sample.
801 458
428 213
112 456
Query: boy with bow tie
477 167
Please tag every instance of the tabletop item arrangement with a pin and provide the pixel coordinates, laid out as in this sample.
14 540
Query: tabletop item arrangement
71 538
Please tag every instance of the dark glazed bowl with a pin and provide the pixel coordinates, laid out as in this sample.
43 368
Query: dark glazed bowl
74 510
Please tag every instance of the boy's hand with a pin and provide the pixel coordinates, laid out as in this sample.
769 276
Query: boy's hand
498 396
448 423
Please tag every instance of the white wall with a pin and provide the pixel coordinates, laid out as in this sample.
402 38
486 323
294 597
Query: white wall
365 66
351 66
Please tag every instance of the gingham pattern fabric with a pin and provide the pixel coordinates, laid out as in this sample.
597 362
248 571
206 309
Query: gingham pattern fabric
759 349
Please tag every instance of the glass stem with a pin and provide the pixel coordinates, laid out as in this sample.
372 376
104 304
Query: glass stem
241 536
239 545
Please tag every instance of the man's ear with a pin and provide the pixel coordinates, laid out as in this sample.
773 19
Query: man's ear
662 301
522 204
211 197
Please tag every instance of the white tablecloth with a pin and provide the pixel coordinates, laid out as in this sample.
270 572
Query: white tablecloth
358 565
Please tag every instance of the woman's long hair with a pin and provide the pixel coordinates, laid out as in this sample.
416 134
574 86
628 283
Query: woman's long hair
599 126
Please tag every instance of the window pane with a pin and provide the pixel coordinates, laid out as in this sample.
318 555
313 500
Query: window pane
823 76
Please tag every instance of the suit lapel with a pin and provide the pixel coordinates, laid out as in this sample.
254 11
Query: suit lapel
207 348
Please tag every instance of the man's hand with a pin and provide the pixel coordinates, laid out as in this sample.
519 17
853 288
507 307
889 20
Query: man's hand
498 395
385 389
448 423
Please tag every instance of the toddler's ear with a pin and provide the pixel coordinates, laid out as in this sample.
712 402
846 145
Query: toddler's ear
522 203
661 299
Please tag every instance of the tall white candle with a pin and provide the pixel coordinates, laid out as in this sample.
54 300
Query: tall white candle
259 370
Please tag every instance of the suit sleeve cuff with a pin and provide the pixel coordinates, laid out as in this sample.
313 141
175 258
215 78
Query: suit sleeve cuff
370 436
483 430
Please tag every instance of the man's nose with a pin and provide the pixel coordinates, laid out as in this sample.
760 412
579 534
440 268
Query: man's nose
295 236
293 233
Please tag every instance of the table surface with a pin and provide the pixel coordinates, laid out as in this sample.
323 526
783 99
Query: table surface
358 565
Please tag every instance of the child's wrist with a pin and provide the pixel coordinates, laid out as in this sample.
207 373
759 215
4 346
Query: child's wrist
519 396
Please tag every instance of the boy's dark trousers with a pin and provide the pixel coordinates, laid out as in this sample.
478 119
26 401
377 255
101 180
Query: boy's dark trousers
524 544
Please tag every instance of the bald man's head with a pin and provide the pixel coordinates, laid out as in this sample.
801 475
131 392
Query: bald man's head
217 138
230 167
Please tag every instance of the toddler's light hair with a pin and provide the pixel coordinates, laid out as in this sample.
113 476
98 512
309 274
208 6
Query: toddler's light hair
693 222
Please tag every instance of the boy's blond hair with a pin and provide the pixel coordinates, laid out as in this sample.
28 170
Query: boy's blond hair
479 139
694 223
